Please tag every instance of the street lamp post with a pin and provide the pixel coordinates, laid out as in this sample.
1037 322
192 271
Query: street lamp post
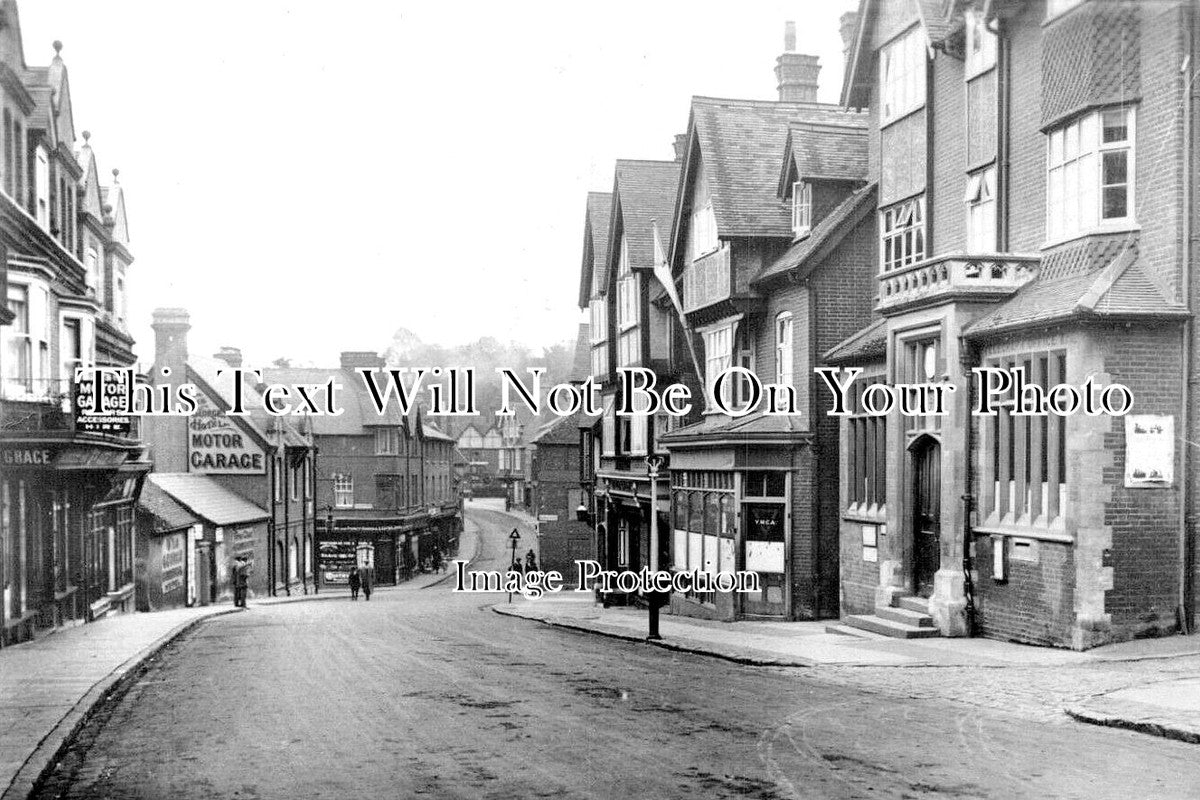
652 465
513 537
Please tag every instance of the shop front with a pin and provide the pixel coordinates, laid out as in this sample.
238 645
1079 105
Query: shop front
390 548
67 531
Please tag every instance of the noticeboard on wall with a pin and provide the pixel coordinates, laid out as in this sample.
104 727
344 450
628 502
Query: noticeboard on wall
1149 450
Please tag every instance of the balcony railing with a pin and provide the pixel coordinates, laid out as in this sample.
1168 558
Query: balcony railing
939 278
707 279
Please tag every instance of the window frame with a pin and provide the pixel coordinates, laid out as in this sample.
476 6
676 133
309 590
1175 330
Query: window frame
903 69
343 490
1067 168
801 208
888 232
980 198
703 231
785 354
978 60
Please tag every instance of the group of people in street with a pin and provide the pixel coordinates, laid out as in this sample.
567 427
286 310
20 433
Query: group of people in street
530 564
360 581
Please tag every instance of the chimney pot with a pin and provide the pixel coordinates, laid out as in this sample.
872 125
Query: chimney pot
170 337
680 146
361 359
230 355
797 74
789 37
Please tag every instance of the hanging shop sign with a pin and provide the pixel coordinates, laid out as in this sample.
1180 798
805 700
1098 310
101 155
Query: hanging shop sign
106 410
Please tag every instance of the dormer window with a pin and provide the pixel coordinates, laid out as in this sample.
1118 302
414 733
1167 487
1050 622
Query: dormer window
801 208
704 231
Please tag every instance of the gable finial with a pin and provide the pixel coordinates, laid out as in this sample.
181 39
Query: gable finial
116 172
57 47
86 135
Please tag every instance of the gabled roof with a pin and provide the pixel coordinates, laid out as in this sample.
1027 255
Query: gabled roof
206 498
822 151
643 193
559 430
595 243
114 196
867 344
738 144
286 430
1120 289
805 255
939 19
430 430
89 184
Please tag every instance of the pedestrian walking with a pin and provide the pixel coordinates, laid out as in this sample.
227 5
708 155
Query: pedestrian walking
531 561
437 560
366 584
241 581
355 583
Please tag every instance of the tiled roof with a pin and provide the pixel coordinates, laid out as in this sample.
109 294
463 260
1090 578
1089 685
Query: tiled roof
867 344
599 209
826 235
1120 288
741 144
206 498
168 514
751 426
256 418
645 192
559 430
359 412
824 151
431 431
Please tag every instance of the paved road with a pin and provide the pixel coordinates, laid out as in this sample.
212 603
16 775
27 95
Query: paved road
425 693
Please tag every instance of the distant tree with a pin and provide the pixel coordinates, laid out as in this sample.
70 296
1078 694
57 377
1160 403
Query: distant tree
283 362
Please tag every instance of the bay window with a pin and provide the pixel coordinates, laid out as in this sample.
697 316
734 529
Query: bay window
801 208
26 353
1089 181
76 347
902 75
981 211
903 227
628 337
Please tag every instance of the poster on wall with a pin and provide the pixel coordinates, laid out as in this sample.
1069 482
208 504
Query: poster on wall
1149 450
336 560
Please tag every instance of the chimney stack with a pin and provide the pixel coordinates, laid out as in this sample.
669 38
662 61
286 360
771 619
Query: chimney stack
230 355
361 359
848 26
796 72
170 338
680 146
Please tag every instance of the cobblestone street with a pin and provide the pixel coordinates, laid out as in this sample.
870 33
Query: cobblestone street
427 693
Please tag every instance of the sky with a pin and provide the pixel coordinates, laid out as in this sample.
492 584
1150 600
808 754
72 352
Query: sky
306 178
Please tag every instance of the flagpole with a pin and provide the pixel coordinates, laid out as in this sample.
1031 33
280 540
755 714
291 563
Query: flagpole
662 271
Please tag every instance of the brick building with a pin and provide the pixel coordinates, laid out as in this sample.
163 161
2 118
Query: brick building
267 461
772 247
1035 166
68 483
627 329
384 491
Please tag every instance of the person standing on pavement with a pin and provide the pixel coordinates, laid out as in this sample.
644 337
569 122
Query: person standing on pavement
437 561
241 581
366 584
355 582
530 561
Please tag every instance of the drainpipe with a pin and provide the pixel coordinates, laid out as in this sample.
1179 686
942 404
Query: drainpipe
1186 283
967 359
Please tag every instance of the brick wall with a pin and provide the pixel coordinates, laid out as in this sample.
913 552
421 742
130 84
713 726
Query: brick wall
1035 604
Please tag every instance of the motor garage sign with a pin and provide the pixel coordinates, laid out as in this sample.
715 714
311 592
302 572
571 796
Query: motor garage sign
217 445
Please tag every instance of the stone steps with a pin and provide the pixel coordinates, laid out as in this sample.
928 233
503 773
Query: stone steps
890 628
913 603
905 616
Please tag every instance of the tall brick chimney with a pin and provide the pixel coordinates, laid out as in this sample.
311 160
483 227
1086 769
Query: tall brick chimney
361 359
170 338
230 355
848 26
796 72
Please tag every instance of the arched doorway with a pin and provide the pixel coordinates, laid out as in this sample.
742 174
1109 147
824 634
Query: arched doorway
927 513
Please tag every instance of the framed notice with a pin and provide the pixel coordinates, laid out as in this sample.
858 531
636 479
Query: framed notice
1149 450
868 536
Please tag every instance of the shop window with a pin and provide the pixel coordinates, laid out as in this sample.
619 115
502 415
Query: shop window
343 490
981 211
902 74
1090 169
1023 458
866 452
903 232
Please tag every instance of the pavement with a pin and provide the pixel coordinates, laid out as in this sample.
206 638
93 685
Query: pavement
49 686
1154 705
